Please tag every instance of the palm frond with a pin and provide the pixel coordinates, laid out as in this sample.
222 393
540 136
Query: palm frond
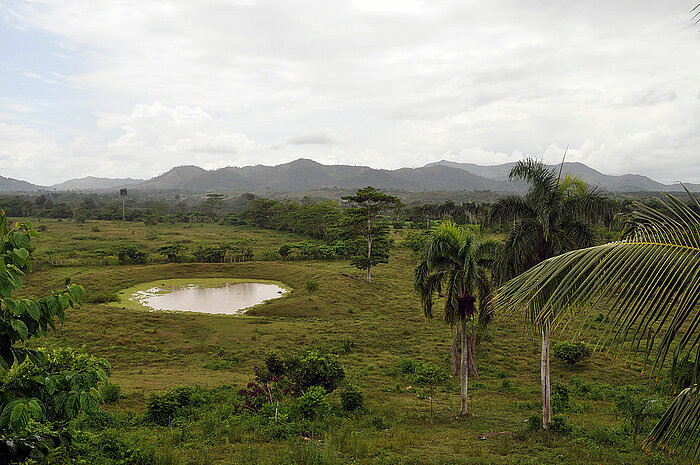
509 207
678 430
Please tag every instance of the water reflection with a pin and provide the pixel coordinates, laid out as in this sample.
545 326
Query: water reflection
230 299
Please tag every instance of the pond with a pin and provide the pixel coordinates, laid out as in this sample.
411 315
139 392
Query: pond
229 298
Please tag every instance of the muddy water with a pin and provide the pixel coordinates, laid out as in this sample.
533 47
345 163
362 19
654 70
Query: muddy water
230 299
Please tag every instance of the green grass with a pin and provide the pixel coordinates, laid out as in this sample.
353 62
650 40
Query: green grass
378 324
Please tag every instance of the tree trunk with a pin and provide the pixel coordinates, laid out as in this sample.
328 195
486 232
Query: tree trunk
454 351
369 251
545 379
471 350
464 368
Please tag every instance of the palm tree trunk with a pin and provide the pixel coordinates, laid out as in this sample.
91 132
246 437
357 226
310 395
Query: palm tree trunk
545 379
471 350
454 351
464 372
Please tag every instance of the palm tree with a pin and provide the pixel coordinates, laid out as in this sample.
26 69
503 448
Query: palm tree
648 285
553 217
453 262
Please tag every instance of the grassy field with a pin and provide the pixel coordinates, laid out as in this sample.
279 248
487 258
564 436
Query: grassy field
372 326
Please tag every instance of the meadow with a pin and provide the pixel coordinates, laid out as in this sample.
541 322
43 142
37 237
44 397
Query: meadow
376 329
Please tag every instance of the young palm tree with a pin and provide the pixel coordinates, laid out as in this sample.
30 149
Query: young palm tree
453 263
553 217
648 284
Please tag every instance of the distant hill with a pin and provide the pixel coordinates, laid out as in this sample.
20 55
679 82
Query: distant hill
94 183
305 175
16 185
623 183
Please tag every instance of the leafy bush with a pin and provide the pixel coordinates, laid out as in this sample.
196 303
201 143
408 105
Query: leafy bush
560 425
427 374
110 393
560 400
161 409
313 403
571 352
684 373
298 373
351 398
407 366
102 297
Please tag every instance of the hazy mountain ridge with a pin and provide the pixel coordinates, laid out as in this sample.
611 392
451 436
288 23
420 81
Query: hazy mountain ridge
307 175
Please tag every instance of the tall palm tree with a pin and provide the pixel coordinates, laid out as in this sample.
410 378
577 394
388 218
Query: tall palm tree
553 217
453 262
648 284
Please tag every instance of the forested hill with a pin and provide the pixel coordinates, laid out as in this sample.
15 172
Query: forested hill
306 175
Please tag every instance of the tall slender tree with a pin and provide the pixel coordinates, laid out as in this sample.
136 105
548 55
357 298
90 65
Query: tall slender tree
454 262
363 219
553 217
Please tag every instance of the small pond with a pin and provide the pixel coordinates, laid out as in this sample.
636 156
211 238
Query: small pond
221 298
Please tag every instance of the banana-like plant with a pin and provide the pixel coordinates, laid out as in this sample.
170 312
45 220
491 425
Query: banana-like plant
648 286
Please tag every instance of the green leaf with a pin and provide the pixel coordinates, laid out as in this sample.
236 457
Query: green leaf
50 383
20 327
71 406
22 255
36 409
19 417
20 354
88 403
37 357
15 278
76 292
22 240
33 309
6 412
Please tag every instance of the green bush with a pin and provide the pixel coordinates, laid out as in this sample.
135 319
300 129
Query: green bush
110 393
428 374
684 374
351 398
407 366
560 397
102 298
313 403
571 352
162 408
560 425
298 373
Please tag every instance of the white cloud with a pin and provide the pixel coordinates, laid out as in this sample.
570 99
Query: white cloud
382 83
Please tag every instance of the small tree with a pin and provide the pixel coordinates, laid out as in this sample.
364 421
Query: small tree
362 221
174 252
311 287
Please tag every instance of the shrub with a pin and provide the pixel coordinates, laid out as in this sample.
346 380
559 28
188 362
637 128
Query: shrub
684 374
41 228
637 409
102 298
311 287
161 409
571 352
407 366
95 229
351 398
560 425
313 403
427 374
298 374
110 393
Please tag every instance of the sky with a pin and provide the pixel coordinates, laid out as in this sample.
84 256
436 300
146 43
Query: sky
132 88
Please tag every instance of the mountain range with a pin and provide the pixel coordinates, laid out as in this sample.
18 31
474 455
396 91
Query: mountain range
305 175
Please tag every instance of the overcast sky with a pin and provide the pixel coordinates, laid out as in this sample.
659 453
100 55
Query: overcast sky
119 88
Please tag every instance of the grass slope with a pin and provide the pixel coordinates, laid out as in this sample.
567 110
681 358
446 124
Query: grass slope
382 324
